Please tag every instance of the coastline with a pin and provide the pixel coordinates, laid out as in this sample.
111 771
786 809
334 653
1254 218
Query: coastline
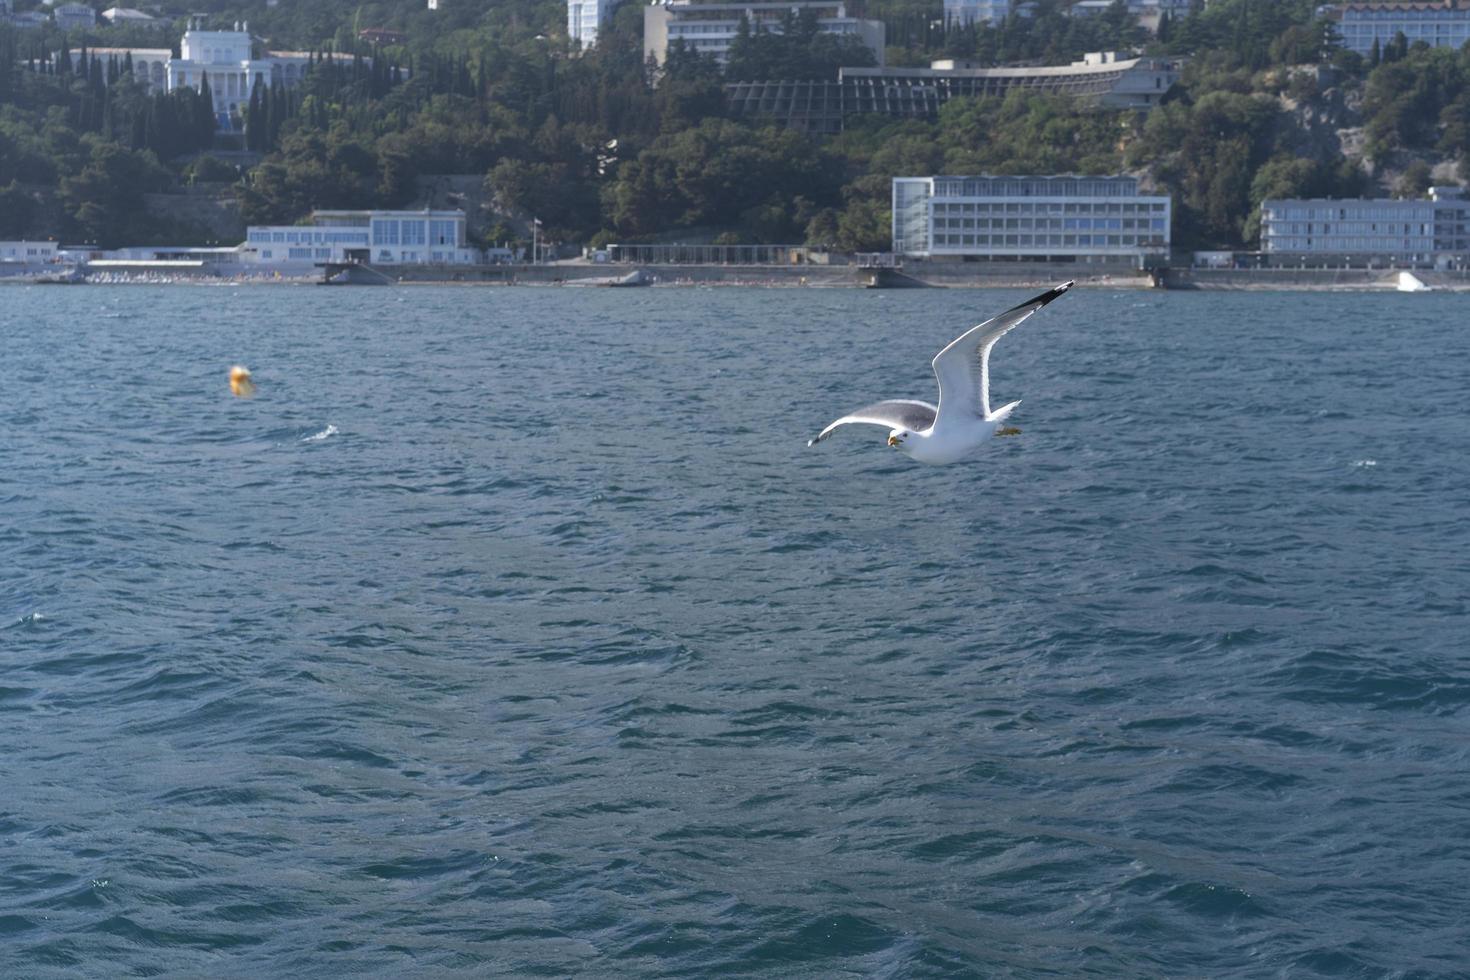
918 275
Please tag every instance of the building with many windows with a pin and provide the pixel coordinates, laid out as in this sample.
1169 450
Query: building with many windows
585 19
74 17
386 237
1064 218
709 28
224 58
960 12
150 65
1438 23
28 251
1101 78
1433 233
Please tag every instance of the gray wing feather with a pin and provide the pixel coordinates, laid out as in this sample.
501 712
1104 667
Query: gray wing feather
963 368
916 416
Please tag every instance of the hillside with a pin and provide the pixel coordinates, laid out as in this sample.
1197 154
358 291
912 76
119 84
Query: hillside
1268 106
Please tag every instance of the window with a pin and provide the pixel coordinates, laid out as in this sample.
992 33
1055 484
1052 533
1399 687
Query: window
385 232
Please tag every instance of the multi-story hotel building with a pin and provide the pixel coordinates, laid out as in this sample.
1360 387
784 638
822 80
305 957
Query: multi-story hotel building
585 19
709 28
1100 78
1433 233
74 17
389 237
1063 218
961 12
1439 23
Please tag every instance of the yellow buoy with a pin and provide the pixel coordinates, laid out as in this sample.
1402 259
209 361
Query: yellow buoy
240 383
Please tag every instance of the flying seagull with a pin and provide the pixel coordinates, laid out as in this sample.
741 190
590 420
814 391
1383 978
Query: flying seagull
962 420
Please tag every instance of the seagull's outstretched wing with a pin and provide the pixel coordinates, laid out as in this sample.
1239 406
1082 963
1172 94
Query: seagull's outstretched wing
898 413
963 367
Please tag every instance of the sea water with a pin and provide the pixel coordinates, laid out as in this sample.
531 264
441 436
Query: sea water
517 632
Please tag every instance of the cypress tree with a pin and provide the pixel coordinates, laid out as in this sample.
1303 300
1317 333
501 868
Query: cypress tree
278 113
205 102
205 121
138 131
252 120
153 127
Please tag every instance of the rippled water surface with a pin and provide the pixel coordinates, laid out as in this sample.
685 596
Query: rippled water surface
517 632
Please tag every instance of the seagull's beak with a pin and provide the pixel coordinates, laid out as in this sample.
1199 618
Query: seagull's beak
893 440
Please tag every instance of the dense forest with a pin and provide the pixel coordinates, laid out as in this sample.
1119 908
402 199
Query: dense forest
601 147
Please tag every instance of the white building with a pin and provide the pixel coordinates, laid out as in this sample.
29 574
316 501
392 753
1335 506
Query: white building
28 251
960 12
74 17
585 19
1424 233
387 237
224 58
123 15
150 65
1062 218
709 28
1148 13
1439 23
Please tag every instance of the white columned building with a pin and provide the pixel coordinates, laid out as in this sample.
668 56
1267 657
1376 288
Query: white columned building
223 58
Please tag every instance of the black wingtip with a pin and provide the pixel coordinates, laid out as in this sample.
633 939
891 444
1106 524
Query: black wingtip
1053 293
1046 297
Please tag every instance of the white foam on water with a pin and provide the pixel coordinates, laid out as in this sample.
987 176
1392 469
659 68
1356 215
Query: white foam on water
326 433
1362 463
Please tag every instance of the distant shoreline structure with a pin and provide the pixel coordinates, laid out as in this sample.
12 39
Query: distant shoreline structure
933 275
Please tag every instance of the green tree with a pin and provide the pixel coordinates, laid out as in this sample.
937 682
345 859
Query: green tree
105 200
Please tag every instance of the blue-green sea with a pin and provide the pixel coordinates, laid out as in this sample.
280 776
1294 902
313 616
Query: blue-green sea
517 632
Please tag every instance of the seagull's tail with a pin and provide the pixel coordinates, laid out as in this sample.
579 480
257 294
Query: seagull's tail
999 415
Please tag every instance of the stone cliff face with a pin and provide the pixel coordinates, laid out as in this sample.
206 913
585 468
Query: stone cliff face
1322 128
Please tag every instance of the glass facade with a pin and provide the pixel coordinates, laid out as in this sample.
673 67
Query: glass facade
1060 218
1410 232
1445 24
392 236
385 231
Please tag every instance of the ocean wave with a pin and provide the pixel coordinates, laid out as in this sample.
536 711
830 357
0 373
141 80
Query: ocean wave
321 436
